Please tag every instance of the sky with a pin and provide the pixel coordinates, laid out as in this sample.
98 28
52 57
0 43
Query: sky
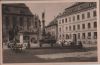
51 9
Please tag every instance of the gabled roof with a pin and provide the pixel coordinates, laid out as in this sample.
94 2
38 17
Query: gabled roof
21 7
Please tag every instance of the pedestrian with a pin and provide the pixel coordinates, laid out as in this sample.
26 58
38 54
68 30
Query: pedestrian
62 42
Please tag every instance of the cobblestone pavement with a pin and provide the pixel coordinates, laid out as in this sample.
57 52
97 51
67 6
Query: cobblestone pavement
45 55
63 55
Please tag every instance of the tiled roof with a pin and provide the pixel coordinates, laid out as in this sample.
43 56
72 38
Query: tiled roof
78 7
53 22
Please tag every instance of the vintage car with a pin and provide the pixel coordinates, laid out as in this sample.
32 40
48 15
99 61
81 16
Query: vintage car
17 46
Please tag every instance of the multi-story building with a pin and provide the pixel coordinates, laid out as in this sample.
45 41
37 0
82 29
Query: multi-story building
51 29
78 23
18 20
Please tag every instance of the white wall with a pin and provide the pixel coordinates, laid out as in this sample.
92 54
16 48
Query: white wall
85 21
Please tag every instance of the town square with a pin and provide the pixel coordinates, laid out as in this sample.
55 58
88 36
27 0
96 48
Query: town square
49 32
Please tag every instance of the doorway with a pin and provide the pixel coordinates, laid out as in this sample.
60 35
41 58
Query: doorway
74 38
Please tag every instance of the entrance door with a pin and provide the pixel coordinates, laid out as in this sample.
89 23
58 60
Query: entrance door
74 38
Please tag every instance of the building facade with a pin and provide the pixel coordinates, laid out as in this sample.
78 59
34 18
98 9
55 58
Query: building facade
78 23
51 29
18 20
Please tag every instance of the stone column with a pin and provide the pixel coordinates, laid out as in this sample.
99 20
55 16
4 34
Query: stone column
21 38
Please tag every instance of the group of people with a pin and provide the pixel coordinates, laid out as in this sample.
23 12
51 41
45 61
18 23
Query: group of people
71 44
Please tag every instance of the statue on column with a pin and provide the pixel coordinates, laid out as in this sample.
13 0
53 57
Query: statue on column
43 24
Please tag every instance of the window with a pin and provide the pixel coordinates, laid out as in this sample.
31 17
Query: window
89 35
78 35
83 16
66 28
70 36
83 35
73 18
95 35
94 13
14 20
7 21
73 27
89 25
93 4
69 19
83 26
66 20
95 24
88 14
59 29
62 20
78 27
67 36
59 21
69 27
21 21
78 17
